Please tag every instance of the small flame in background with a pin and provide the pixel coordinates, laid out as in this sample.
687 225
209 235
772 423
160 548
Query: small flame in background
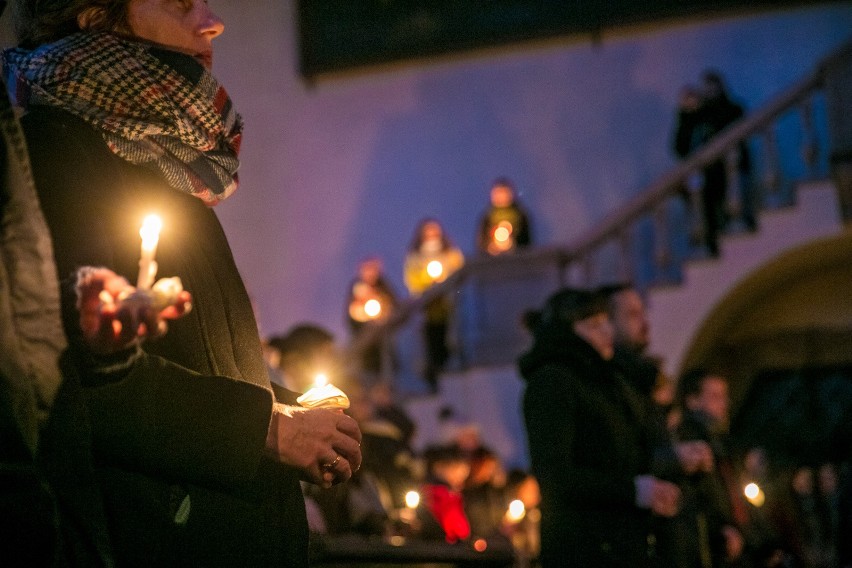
434 269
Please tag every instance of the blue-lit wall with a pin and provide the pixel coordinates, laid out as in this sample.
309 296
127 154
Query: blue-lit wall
346 167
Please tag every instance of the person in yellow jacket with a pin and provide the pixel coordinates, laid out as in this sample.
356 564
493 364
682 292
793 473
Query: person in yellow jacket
431 259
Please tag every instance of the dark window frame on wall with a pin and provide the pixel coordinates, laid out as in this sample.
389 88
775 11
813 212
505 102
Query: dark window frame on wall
339 35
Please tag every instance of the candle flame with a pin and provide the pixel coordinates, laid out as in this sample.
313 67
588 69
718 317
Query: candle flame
412 499
516 511
372 308
503 231
150 232
754 494
320 380
434 269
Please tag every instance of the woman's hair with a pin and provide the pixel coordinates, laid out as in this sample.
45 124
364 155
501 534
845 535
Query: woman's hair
45 21
564 308
417 241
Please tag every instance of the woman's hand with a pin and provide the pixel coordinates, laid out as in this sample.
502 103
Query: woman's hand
114 315
324 444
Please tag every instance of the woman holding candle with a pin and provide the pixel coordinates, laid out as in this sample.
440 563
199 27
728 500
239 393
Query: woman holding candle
431 259
197 460
371 299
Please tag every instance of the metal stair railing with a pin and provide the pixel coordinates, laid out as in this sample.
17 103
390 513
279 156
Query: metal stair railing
615 228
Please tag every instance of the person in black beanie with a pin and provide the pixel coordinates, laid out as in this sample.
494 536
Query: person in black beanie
589 440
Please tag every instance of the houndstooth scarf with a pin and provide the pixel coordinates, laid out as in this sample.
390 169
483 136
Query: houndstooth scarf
156 108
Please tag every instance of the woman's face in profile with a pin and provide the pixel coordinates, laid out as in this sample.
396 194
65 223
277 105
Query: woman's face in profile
596 330
188 26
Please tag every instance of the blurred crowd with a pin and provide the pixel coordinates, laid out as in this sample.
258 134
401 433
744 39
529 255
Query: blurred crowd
455 489
720 197
628 466
431 258
704 500
638 469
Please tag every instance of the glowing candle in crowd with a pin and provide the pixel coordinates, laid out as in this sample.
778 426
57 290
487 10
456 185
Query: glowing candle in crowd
754 494
503 232
324 395
150 233
516 511
372 308
412 499
320 380
434 269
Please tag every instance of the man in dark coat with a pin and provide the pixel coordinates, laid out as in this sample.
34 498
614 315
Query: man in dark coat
589 441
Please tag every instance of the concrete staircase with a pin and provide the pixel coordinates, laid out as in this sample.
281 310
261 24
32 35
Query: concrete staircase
677 312
491 397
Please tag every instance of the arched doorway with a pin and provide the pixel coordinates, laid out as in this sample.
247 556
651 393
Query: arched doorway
783 336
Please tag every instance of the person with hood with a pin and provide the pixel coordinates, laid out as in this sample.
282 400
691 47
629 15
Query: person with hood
589 441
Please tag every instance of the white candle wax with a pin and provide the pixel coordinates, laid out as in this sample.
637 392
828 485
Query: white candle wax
150 233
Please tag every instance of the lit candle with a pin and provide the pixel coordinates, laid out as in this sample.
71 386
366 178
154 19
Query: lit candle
408 514
503 232
150 233
516 511
372 308
434 269
320 380
412 499
324 395
754 494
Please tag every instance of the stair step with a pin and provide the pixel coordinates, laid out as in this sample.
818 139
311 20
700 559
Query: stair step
676 312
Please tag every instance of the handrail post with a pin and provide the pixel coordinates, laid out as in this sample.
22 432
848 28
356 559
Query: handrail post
810 144
662 243
626 270
838 93
771 177
733 193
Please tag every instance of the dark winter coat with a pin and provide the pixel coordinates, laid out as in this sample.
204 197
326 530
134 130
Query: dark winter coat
587 443
52 513
179 434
